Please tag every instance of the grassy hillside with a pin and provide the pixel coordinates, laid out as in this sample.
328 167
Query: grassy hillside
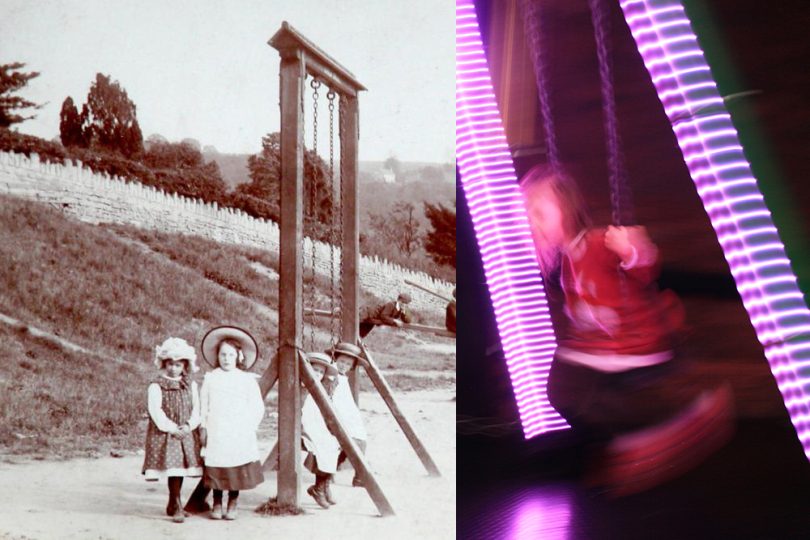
110 294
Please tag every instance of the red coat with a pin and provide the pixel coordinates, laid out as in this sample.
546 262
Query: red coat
613 310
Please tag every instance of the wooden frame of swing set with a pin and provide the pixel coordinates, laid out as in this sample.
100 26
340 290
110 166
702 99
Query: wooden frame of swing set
300 58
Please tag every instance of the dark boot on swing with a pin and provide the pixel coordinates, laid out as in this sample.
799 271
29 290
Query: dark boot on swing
327 489
316 491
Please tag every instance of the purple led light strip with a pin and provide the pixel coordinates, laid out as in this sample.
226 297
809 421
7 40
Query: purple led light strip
736 208
502 231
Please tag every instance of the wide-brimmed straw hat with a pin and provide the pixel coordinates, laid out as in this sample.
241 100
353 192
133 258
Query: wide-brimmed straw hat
325 361
346 349
215 336
175 348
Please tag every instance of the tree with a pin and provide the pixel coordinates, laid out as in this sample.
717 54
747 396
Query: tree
111 122
181 167
70 125
441 239
398 228
166 155
264 189
11 81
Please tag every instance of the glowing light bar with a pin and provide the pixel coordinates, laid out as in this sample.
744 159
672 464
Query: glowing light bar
502 231
723 178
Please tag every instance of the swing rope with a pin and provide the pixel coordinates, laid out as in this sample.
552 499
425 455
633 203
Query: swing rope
620 201
531 26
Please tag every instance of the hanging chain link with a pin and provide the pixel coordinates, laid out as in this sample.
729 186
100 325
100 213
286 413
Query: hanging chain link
333 322
531 27
315 84
341 176
620 201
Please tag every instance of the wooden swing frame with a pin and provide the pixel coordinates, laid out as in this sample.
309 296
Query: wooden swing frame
299 58
289 367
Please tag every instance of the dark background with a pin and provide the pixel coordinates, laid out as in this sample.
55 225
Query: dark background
750 45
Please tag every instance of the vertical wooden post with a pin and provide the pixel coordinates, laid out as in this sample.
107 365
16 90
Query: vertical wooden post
290 270
350 251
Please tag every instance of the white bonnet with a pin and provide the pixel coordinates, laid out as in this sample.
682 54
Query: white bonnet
176 349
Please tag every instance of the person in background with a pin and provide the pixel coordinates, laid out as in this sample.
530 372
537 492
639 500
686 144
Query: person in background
390 313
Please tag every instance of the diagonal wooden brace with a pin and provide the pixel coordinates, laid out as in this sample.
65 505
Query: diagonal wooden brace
385 391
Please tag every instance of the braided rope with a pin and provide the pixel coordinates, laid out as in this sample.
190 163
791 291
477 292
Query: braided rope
620 201
531 26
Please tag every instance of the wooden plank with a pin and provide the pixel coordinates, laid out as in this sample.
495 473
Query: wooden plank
321 312
385 391
290 272
356 458
350 243
430 291
438 330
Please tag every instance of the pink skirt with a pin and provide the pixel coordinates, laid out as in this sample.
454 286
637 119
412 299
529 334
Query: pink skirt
246 476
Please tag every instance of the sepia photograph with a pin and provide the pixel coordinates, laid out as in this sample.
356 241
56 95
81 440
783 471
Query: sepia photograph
228 300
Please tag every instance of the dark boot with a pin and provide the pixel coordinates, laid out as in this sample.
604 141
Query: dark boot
316 491
174 508
216 511
232 513
327 489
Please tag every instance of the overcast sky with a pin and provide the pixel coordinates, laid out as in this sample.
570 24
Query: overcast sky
203 69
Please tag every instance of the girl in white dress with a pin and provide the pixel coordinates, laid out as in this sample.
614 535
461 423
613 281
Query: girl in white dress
231 408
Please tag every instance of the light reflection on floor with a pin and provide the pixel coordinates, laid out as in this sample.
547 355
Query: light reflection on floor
537 512
542 513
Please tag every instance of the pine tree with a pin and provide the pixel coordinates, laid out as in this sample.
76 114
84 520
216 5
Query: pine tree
70 125
111 121
11 81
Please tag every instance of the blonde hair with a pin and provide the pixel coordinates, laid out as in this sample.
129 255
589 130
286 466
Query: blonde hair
575 217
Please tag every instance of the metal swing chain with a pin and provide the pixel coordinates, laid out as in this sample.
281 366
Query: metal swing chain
315 84
620 202
333 330
531 27
341 134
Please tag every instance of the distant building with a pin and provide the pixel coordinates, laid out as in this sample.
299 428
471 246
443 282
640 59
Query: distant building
388 176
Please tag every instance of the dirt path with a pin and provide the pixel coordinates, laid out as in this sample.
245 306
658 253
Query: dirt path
107 498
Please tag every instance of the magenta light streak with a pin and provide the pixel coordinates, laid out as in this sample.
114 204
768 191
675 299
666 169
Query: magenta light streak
502 231
729 192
